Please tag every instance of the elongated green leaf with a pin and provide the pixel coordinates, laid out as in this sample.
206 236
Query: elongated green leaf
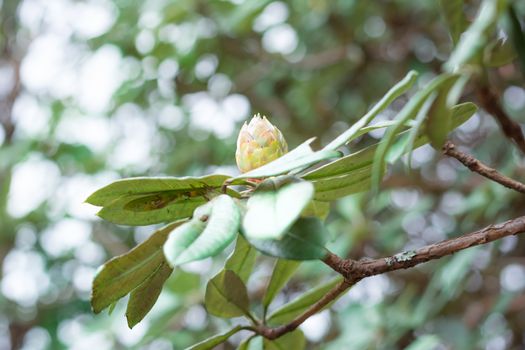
304 241
420 118
346 165
364 157
124 273
117 212
362 131
275 206
226 295
242 260
338 182
439 118
152 186
144 296
289 311
213 226
396 91
282 272
298 158
212 342
376 126
455 17
348 185
409 111
475 38
358 179
146 201
294 340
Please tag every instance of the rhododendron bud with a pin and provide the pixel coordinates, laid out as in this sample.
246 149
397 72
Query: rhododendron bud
259 143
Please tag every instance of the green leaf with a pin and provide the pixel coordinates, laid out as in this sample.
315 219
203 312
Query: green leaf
475 38
439 119
151 186
298 158
144 296
294 340
455 17
124 273
207 234
304 241
226 295
357 175
282 272
146 201
344 166
341 186
408 112
397 90
275 206
118 213
351 174
420 118
242 260
288 312
363 158
212 342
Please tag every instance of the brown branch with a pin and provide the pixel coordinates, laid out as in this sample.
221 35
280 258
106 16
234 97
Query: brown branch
478 167
274 333
355 270
510 128
365 268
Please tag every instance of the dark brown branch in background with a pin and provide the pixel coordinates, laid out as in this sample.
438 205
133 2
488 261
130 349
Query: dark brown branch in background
355 270
478 167
510 128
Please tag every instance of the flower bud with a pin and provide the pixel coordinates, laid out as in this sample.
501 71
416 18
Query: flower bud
259 143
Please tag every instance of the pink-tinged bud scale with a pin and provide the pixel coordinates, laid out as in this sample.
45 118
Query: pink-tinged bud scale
259 143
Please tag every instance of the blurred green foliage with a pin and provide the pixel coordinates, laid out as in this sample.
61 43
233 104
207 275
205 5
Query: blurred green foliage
92 91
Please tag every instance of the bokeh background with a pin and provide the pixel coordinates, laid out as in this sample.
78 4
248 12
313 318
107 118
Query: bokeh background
92 91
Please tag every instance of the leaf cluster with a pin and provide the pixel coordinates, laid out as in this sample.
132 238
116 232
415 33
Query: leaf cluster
276 210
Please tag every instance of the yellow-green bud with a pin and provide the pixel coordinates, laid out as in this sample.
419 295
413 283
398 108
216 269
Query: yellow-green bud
259 143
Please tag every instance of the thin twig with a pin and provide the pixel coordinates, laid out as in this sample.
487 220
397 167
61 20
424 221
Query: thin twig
274 333
478 167
353 270
510 128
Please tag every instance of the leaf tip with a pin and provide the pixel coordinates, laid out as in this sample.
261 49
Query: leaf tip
131 322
